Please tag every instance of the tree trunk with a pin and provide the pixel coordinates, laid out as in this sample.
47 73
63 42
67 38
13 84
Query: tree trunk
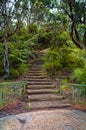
6 61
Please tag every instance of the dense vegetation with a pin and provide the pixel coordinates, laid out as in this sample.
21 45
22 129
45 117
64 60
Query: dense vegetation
26 26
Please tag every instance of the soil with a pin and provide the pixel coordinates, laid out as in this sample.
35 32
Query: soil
17 107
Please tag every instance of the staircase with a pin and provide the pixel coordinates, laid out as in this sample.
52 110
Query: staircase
41 92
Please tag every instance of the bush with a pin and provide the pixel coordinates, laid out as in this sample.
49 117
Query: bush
14 73
67 57
44 38
23 68
71 57
52 62
19 53
33 28
79 75
18 58
21 47
21 36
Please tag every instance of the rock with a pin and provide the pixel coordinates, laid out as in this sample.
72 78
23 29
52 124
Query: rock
45 120
10 124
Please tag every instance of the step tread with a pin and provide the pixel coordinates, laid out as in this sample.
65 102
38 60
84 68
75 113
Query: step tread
39 80
45 97
36 74
48 104
40 83
41 86
41 91
32 71
36 77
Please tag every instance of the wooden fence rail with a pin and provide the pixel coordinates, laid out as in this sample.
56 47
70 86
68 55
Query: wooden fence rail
77 91
9 91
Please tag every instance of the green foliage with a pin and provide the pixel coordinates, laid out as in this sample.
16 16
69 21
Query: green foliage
22 35
19 53
69 59
23 68
79 75
63 56
14 73
60 38
52 62
75 10
18 58
32 28
44 37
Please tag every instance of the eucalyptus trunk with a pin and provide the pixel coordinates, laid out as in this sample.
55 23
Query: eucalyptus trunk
6 61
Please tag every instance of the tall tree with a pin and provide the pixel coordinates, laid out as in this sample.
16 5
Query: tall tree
76 11
10 15
4 15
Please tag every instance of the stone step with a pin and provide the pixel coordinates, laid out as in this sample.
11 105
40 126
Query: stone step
38 80
35 74
41 91
35 71
38 62
39 83
35 77
36 66
45 97
41 86
47 104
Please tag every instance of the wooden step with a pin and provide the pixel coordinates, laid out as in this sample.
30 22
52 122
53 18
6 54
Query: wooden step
36 66
35 77
35 74
35 71
39 83
47 104
41 86
38 80
45 97
41 91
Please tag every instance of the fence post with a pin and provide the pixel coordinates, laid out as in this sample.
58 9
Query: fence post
0 95
61 92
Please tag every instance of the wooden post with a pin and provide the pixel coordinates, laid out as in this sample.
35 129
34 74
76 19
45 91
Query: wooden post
61 92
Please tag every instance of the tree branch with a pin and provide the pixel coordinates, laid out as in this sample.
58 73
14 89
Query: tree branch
76 41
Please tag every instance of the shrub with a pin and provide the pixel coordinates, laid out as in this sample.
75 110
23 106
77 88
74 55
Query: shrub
52 62
14 73
71 57
67 57
23 68
32 28
18 58
79 75
44 39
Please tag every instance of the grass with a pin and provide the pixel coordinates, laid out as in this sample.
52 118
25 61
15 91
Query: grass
78 102
28 107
